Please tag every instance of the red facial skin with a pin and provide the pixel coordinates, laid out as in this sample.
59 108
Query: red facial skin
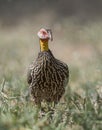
45 40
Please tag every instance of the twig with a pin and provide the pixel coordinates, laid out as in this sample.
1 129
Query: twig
2 85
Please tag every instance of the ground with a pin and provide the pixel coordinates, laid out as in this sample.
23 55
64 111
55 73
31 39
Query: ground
81 106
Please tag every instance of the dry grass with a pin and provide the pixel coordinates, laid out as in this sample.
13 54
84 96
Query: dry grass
80 47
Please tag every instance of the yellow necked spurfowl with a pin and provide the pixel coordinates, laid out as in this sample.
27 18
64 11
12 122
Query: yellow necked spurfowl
47 76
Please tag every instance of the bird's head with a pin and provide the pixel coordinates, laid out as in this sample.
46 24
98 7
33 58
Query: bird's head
44 35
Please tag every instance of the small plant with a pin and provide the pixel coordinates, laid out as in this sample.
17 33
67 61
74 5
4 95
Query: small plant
18 112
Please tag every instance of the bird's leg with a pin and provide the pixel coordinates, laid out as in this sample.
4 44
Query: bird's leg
39 105
50 106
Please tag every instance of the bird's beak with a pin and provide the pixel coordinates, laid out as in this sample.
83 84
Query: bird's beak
50 34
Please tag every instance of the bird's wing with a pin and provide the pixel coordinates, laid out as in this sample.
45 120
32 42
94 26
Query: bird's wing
29 77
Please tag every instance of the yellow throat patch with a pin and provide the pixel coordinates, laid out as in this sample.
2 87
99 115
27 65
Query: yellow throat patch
44 45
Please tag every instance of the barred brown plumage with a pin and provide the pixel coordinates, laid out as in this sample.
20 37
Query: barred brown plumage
47 77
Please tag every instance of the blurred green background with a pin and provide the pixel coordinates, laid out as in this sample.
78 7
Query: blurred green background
77 32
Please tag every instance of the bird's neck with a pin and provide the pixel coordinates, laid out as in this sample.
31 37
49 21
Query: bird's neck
44 45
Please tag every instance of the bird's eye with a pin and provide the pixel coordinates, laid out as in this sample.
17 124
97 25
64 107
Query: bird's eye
44 33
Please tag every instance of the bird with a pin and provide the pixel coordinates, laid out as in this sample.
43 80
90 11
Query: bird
47 76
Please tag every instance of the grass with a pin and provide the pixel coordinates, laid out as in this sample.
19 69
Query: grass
80 107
